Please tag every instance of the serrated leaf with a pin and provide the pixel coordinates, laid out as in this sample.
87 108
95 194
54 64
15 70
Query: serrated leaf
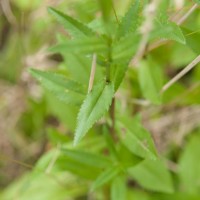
105 177
81 46
153 175
125 48
165 29
189 166
135 137
93 108
150 79
129 22
74 27
64 89
86 158
118 188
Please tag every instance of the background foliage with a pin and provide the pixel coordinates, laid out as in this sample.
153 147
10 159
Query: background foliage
126 137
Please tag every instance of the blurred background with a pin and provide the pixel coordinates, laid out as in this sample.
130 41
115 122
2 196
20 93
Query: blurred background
26 111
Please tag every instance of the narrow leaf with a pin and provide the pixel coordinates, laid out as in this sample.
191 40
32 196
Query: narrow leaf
94 107
129 22
64 89
105 177
135 137
87 158
74 27
81 46
153 175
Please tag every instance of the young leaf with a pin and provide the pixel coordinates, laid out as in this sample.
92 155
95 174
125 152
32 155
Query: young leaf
150 79
81 46
135 137
86 158
64 89
189 166
153 175
165 29
93 108
74 27
118 188
105 177
129 22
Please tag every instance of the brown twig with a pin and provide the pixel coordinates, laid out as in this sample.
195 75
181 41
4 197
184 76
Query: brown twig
92 73
187 14
181 74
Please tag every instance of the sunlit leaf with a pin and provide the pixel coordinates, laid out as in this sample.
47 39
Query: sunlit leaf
93 108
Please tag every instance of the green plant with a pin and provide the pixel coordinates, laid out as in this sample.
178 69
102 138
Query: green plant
112 154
